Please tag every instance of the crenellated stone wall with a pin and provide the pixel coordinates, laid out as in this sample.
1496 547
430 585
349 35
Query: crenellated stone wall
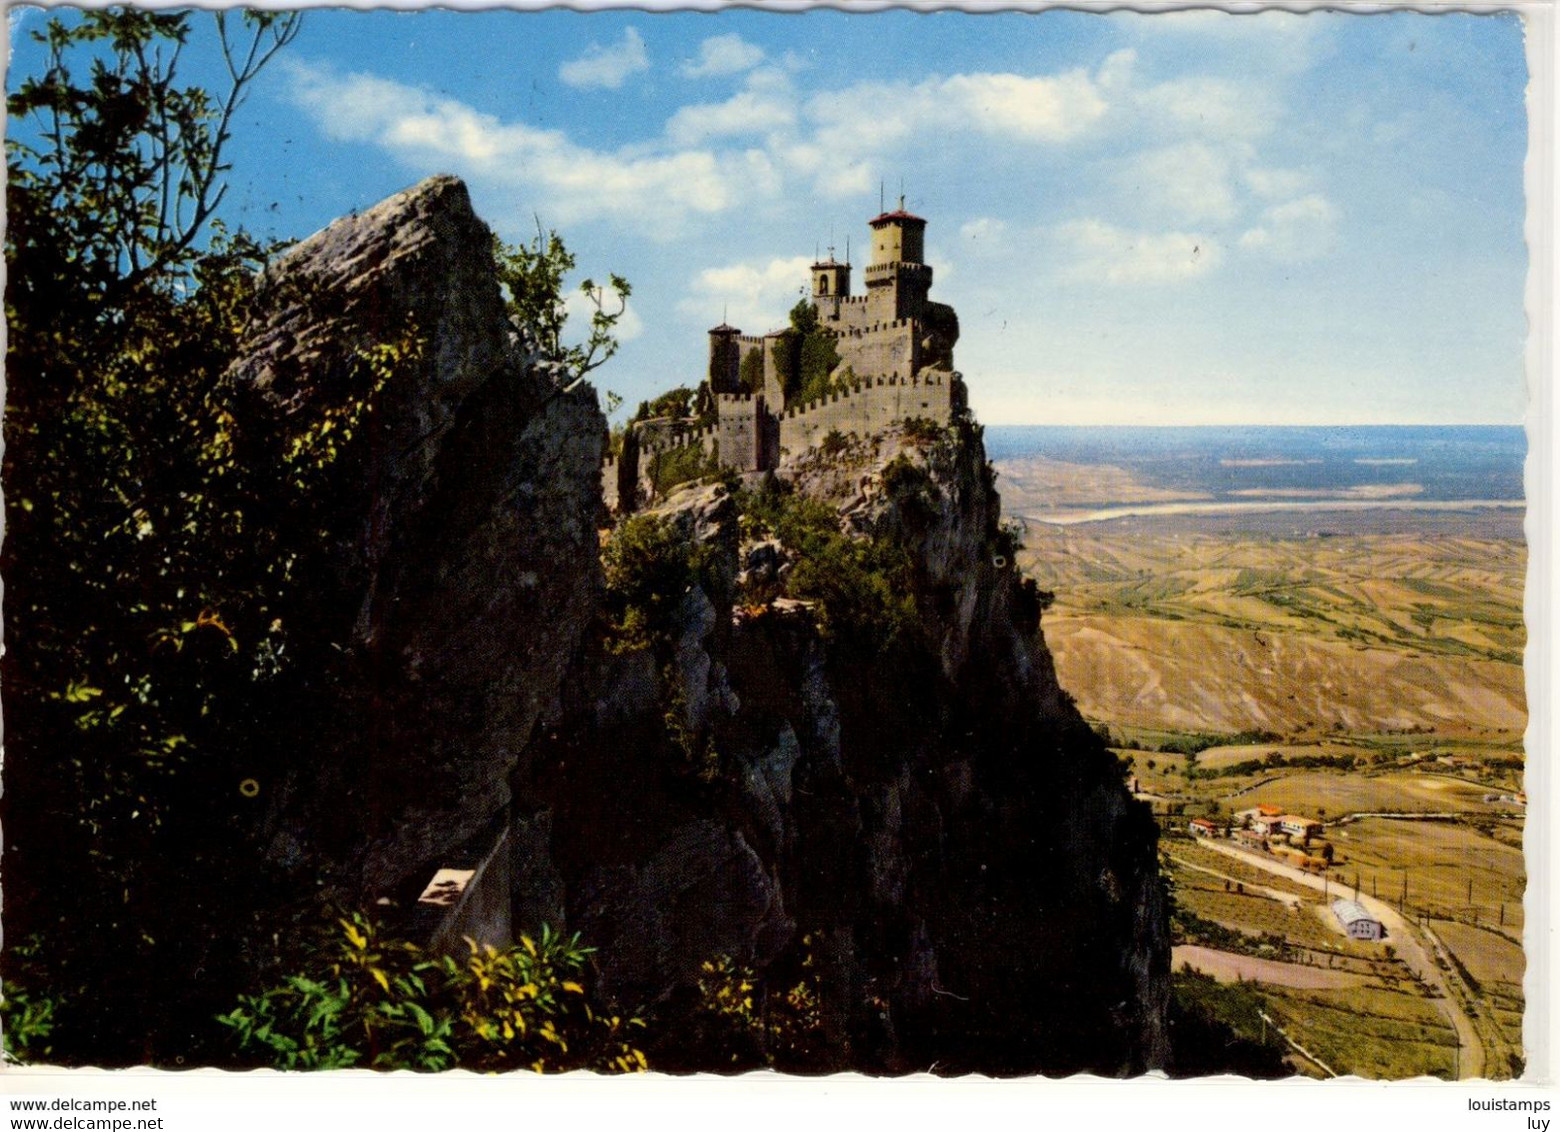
871 407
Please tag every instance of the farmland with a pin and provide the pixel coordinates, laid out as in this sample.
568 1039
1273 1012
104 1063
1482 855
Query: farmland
1363 670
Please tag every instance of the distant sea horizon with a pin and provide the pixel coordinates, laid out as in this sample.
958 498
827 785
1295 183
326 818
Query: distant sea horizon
1430 463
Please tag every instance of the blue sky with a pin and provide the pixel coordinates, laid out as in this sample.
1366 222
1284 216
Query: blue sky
1174 218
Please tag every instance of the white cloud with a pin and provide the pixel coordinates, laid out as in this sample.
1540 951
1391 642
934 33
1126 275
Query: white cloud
1191 181
658 190
755 296
607 67
1115 74
871 117
747 112
838 179
1296 231
1265 42
723 55
1104 253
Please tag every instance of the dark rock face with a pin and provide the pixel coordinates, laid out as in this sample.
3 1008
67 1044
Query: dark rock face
939 831
464 565
977 888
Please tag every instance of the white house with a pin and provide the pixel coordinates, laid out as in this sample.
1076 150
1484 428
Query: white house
1359 923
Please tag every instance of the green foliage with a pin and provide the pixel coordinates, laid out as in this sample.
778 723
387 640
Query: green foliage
1274 761
783 358
818 358
366 1001
1218 1028
1008 540
812 356
648 565
749 1022
141 557
751 371
1192 745
1187 926
677 466
532 276
115 173
676 403
27 1015
165 621
864 587
833 443
922 431
699 755
911 487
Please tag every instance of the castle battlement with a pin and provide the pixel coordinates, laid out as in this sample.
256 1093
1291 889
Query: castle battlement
895 343
872 328
929 379
889 271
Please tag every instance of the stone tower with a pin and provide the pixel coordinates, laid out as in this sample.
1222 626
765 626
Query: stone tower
725 359
830 283
897 279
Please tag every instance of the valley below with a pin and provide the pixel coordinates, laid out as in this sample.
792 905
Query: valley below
1349 662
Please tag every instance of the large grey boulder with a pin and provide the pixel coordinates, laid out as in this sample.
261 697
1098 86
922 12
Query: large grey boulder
461 557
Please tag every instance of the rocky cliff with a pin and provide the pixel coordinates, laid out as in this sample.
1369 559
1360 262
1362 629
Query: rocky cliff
856 771
455 573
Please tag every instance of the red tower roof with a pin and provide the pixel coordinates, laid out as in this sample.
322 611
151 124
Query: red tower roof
897 214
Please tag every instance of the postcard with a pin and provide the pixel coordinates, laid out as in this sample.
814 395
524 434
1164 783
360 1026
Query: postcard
896 542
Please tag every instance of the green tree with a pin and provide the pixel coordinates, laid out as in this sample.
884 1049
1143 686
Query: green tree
751 371
124 517
533 278
164 637
805 356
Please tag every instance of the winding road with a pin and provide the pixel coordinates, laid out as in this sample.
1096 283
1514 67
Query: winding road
1410 945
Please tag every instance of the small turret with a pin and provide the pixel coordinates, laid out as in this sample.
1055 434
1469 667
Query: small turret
831 279
725 359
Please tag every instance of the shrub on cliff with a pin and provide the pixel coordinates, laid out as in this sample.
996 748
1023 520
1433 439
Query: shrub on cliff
532 276
649 565
366 1001
864 587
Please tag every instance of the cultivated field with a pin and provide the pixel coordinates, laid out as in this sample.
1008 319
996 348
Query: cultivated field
1368 1031
1360 669
1493 966
1454 870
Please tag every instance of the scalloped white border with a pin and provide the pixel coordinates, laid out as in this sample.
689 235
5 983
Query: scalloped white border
199 1100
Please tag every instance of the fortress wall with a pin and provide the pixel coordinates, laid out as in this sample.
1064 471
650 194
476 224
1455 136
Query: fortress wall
739 431
853 312
883 349
706 438
866 409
